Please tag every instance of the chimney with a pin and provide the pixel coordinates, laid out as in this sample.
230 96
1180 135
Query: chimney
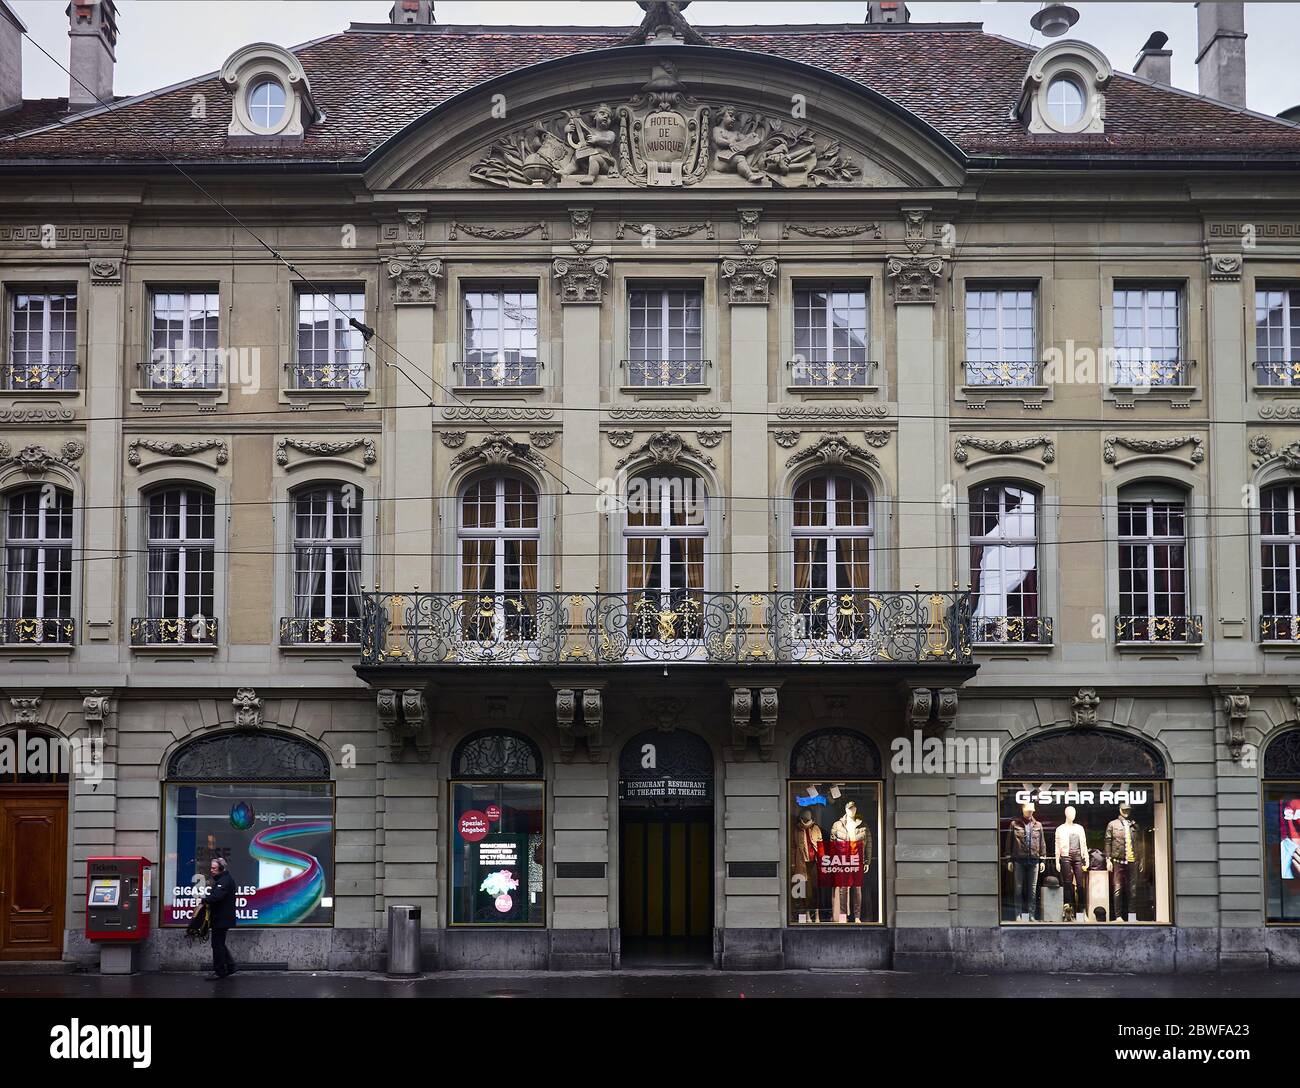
92 26
411 13
1155 62
887 13
1221 52
11 58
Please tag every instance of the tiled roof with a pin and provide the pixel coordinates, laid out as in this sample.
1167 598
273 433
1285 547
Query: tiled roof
371 81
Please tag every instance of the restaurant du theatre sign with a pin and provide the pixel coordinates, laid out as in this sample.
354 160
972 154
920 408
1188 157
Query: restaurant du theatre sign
669 768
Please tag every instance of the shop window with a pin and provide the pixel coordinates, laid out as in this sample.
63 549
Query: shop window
1083 831
266 805
498 816
1280 797
835 796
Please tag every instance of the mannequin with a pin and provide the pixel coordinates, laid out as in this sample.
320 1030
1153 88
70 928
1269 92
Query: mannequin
848 828
1072 860
1123 849
1028 848
807 839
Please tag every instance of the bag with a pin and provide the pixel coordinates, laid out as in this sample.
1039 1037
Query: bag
200 927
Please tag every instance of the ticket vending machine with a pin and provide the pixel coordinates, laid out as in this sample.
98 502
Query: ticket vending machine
119 906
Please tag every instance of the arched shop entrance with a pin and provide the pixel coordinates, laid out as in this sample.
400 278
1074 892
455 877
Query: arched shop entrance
33 844
665 793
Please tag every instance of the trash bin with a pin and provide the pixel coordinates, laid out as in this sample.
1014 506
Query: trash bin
403 940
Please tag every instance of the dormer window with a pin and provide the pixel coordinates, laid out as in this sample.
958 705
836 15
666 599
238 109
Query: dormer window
270 93
1062 91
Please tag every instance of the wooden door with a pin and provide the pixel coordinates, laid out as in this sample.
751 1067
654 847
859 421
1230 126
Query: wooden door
33 871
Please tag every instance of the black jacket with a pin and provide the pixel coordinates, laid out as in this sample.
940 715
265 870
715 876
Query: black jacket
221 898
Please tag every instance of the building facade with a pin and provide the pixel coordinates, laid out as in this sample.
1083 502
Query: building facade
781 496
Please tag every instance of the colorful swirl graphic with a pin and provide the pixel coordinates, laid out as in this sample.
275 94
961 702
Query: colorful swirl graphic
294 899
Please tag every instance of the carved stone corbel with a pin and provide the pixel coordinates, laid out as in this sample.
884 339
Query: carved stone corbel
914 279
1236 705
26 709
593 720
945 708
415 717
248 709
407 720
920 704
415 279
1083 707
580 279
566 716
749 280
96 709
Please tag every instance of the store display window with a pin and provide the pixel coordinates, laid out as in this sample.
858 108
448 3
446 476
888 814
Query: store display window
263 803
498 828
1091 847
835 800
1280 798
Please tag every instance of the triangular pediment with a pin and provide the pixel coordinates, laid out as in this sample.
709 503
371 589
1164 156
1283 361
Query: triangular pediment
668 117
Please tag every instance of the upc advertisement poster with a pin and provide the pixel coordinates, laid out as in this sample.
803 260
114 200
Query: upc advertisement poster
501 878
1290 841
278 841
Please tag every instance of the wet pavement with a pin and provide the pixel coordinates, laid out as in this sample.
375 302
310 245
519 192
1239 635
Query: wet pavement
654 984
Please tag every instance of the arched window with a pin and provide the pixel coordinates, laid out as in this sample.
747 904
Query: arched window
1153 566
833 532
1280 800
1089 807
180 567
326 565
498 832
1004 563
38 566
499 533
835 829
264 802
1279 542
37 757
665 533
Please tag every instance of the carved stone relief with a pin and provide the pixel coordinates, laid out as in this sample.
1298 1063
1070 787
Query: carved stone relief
1003 447
176 449
325 449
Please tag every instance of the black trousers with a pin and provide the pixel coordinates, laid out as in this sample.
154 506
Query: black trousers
1121 889
1074 880
222 963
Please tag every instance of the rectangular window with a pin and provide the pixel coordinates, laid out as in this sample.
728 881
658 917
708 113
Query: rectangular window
835 853
665 337
1279 539
184 349
1153 574
278 840
831 337
326 567
1109 864
1000 337
1004 565
1277 335
179 576
500 337
330 350
42 341
38 567
1148 338
498 853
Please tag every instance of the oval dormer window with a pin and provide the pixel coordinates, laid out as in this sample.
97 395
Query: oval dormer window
1066 100
266 103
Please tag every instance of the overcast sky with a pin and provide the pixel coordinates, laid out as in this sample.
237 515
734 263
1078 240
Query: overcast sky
161 43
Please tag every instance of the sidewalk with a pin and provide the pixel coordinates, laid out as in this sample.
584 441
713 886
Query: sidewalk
655 984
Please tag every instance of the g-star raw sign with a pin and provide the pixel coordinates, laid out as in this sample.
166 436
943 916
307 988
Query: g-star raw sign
653 789
1081 797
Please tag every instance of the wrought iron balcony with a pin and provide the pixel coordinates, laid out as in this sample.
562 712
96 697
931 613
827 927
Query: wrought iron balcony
39 375
344 375
791 627
832 373
1011 630
25 631
498 373
189 368
1139 373
665 373
305 631
1279 628
1278 373
1187 630
157 631
1012 373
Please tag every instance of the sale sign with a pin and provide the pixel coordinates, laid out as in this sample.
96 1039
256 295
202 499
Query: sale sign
839 864
472 825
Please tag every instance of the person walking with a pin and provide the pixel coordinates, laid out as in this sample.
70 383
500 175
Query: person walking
220 899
